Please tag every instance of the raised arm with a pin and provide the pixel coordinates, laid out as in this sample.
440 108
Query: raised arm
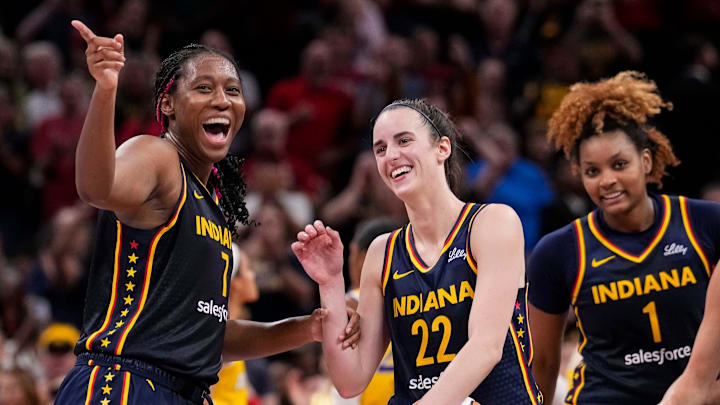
497 243
699 382
319 250
102 180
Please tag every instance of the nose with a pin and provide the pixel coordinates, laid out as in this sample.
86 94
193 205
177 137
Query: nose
607 179
391 152
220 100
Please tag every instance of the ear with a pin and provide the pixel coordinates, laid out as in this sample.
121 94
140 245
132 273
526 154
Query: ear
646 161
167 105
575 169
444 148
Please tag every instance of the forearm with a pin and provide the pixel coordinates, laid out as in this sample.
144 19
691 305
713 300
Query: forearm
704 362
345 366
545 370
464 373
248 339
95 156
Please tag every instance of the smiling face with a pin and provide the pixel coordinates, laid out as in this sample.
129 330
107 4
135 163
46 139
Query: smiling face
207 107
613 171
408 158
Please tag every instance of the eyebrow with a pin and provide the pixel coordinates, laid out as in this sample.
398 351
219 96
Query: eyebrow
613 157
396 136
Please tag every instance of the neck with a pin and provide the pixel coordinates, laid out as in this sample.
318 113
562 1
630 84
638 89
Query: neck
199 168
433 215
638 219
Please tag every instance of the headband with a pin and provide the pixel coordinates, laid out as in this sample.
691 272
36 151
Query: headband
412 107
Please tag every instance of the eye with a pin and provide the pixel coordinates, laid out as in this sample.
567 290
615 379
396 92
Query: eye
233 90
404 140
379 150
620 164
591 171
203 88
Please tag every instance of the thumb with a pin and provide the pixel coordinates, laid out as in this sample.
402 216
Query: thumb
120 40
320 313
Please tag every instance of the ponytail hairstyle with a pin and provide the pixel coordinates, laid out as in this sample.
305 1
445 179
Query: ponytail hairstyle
440 125
624 102
225 179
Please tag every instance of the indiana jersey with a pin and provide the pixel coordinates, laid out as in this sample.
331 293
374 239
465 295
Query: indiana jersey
160 295
427 308
638 307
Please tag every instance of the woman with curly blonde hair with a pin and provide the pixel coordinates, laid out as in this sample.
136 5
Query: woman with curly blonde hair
635 270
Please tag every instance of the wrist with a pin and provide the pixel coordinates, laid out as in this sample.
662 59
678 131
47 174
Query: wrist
334 283
105 89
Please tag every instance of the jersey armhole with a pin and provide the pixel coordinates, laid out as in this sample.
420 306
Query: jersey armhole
470 258
387 260
581 261
691 235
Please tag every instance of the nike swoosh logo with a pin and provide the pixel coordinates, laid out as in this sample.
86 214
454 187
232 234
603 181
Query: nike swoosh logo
397 276
598 263
198 196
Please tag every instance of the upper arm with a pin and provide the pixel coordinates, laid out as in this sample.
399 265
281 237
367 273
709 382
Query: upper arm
375 336
498 247
146 168
550 264
704 218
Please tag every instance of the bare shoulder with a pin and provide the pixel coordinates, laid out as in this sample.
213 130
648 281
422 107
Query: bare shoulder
375 256
147 146
497 221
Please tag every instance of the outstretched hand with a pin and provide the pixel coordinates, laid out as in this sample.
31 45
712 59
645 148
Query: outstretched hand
105 56
319 250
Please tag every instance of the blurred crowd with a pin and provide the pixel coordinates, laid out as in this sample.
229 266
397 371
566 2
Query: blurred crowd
315 72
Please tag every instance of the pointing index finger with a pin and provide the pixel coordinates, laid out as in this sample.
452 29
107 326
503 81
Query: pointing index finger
85 32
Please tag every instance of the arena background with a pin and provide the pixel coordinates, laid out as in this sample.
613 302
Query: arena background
315 73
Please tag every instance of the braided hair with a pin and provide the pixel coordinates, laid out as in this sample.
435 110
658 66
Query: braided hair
225 178
624 102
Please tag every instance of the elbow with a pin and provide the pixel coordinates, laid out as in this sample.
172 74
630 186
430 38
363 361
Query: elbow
347 391
96 198
494 353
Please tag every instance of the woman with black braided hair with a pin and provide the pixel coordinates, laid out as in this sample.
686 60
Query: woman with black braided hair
156 316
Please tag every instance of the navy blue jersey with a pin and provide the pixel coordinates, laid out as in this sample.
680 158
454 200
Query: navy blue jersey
428 308
160 295
639 298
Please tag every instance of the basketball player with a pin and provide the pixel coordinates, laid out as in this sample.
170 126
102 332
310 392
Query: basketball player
635 270
156 316
448 288
698 384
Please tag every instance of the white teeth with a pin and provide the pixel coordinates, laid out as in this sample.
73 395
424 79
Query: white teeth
613 195
400 170
217 120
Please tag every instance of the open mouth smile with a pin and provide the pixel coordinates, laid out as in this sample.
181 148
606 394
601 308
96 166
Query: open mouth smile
217 129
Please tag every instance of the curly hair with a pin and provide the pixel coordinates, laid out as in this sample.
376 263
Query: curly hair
226 178
624 102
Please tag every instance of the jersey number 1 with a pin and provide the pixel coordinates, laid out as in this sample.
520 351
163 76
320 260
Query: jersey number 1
651 311
420 326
